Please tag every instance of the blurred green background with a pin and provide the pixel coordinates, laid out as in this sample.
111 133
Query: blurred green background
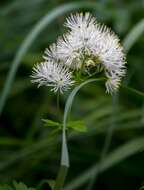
115 125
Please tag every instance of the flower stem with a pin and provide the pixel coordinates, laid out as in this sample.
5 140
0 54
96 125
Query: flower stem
64 166
62 173
61 177
58 106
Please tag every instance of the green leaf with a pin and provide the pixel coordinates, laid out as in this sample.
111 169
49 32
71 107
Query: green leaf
21 186
50 123
77 125
17 186
5 187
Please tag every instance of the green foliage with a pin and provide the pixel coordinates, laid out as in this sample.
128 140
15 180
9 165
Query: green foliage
78 126
21 186
142 188
16 186
5 187
50 123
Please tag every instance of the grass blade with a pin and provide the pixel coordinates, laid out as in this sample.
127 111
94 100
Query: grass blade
133 35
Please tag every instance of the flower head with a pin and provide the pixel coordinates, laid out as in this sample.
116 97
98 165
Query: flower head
51 53
89 45
52 74
112 84
91 48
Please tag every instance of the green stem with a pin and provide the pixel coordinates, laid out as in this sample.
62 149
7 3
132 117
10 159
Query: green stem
61 177
64 164
62 173
64 153
58 106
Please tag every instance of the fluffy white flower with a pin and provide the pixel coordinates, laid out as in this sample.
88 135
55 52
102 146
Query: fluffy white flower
80 21
90 46
75 47
51 53
112 84
52 74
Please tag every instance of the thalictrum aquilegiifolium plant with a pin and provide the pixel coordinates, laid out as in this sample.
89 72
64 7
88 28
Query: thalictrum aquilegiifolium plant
87 52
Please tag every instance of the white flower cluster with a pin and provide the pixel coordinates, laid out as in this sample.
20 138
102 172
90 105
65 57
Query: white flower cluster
52 74
88 47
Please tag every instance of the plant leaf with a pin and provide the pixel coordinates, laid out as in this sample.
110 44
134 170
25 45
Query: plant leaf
50 123
77 125
5 187
17 186
21 186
